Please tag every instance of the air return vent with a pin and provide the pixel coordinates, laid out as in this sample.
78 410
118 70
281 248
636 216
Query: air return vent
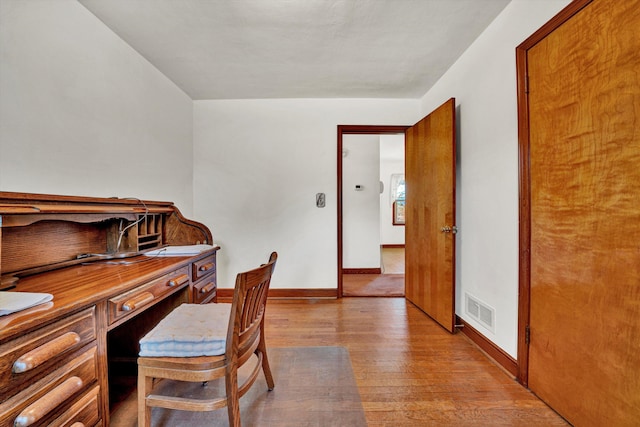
480 311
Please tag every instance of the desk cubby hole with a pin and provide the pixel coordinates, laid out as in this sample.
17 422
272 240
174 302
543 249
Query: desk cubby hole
150 231
143 233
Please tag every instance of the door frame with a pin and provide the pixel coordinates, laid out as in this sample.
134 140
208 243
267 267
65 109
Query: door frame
524 269
354 130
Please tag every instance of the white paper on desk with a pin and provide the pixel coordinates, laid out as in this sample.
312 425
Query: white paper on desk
179 250
10 302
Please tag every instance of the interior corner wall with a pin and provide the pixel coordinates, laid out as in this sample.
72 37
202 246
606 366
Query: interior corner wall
82 113
258 167
483 81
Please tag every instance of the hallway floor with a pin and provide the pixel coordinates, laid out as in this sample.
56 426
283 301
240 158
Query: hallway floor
388 284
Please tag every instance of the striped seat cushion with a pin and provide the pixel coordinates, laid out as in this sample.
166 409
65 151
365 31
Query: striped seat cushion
189 330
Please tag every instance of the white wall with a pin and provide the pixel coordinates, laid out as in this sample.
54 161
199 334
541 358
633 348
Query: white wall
258 166
483 81
361 208
82 113
393 144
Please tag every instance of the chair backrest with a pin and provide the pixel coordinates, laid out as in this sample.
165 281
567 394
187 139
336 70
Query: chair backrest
247 311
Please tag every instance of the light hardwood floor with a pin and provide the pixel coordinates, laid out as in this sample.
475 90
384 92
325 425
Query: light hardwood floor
389 283
392 260
409 371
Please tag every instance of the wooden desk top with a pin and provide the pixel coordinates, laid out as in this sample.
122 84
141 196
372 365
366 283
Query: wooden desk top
80 286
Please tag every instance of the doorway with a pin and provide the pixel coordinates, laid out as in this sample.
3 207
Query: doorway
372 275
430 165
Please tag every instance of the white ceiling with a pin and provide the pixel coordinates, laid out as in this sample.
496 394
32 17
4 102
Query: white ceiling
235 49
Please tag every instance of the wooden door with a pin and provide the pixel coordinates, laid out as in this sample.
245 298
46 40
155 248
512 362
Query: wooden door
430 214
581 171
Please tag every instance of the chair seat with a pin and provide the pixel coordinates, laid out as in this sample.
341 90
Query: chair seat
200 363
190 330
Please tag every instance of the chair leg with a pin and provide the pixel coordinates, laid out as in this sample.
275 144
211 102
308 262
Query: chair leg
262 347
145 384
233 399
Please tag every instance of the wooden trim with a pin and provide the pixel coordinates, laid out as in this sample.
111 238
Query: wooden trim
489 348
354 130
454 198
524 271
371 129
393 246
339 211
524 215
561 17
55 199
361 271
226 295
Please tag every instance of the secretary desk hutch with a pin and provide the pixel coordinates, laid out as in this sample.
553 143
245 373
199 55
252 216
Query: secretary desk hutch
66 362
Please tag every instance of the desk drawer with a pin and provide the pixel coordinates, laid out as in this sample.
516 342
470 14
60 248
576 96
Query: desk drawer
143 296
85 412
50 397
204 291
203 267
35 354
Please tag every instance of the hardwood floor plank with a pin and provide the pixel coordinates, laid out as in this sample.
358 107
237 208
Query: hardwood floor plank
409 370
388 284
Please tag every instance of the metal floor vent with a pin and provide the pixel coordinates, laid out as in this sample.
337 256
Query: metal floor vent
480 312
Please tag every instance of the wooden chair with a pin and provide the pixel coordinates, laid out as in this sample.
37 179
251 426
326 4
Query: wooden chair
244 337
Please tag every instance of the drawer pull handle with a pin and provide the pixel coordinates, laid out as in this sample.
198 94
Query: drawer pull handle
137 301
207 288
45 352
177 281
206 267
77 424
41 407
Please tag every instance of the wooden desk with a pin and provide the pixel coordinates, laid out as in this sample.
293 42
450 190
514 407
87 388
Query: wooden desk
64 362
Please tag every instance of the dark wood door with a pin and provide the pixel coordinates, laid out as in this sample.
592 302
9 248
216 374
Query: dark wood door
430 214
583 177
